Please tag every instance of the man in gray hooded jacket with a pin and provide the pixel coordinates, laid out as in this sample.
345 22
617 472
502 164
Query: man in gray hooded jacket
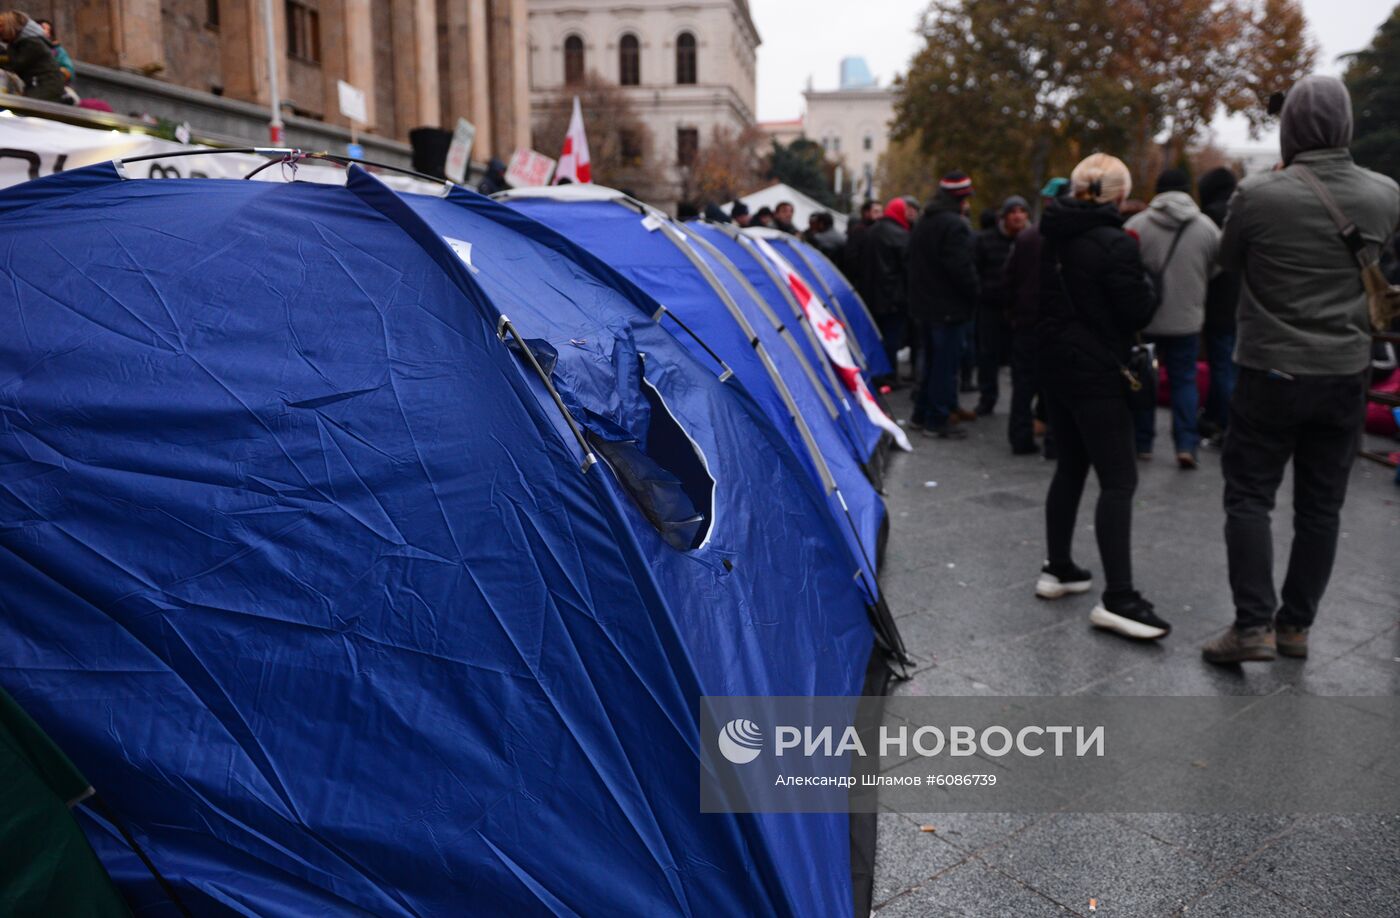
1304 346
1180 244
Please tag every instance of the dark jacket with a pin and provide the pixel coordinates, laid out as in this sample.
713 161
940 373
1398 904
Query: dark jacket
943 286
853 259
31 58
885 270
1303 308
1023 280
1095 297
1223 294
990 253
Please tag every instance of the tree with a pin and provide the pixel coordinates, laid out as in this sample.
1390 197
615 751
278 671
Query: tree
1373 76
1013 91
905 169
1003 88
803 165
620 145
729 166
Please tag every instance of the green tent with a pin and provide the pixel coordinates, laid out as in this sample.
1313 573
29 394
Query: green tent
47 866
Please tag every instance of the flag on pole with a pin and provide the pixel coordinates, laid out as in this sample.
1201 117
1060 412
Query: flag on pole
832 335
573 161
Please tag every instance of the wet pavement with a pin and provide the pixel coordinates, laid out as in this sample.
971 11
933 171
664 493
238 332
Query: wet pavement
965 547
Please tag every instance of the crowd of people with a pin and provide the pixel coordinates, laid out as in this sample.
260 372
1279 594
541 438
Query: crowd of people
1249 279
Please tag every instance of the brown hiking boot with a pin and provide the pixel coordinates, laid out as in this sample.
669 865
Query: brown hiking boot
962 414
1292 641
1236 646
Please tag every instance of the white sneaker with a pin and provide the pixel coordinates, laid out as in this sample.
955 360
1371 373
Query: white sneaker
1062 581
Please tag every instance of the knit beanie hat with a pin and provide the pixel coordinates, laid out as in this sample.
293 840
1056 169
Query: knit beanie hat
957 183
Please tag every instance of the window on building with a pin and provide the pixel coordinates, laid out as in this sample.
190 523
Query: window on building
687 145
211 14
685 59
573 60
868 143
629 61
303 31
629 142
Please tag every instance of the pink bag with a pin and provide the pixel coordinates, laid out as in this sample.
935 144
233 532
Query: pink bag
1380 419
1164 391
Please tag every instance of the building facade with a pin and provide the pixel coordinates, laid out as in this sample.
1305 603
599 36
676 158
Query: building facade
688 68
852 124
420 63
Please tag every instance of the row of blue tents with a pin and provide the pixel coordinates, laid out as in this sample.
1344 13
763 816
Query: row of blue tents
370 552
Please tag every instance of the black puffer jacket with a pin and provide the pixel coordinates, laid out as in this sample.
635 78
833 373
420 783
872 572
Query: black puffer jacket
990 255
1094 297
1223 294
885 248
943 286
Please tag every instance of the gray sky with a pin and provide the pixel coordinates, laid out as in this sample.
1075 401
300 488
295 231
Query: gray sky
808 38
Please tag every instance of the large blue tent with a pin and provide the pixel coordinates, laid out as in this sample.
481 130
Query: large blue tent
702 289
763 277
370 571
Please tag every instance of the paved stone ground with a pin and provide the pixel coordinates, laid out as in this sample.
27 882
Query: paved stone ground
965 547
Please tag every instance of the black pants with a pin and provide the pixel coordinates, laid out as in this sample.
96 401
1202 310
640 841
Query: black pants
1094 433
993 353
891 327
1316 421
1025 386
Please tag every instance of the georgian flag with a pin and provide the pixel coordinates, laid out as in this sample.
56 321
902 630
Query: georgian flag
573 161
832 335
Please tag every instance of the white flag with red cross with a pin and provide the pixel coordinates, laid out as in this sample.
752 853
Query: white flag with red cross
832 335
573 161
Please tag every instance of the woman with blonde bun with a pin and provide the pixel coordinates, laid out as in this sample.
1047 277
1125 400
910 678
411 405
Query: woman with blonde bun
1095 297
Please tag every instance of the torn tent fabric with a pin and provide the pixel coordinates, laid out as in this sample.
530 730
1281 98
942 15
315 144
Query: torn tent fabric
698 286
303 570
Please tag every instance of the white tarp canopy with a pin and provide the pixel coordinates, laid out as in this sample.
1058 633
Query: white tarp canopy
34 147
802 206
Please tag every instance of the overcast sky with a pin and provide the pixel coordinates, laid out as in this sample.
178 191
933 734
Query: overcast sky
808 38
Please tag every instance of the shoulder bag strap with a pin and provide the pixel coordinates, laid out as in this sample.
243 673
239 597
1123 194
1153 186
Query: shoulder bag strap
1175 239
1350 233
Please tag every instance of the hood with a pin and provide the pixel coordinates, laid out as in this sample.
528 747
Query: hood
32 29
1216 185
897 211
1173 208
1066 218
1316 116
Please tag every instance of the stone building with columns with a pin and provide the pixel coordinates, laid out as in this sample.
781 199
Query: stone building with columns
687 66
421 63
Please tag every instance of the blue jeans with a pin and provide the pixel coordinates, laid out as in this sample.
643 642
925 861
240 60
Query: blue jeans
1220 352
944 344
1178 354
